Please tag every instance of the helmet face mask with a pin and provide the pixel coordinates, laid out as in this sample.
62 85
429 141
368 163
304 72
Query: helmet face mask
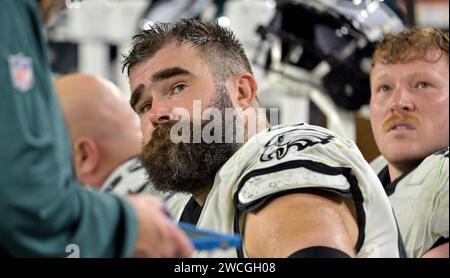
336 35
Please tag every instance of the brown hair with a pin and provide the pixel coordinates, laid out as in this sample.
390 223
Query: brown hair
413 43
218 46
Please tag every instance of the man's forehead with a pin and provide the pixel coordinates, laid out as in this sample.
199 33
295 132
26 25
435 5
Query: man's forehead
416 67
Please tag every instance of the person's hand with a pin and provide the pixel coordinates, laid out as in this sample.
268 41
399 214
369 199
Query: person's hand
158 237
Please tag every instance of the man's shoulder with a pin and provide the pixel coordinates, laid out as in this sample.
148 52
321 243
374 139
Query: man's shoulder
283 137
434 161
303 130
432 172
293 157
442 152
289 142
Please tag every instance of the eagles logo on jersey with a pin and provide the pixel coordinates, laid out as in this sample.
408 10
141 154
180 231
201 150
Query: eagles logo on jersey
280 144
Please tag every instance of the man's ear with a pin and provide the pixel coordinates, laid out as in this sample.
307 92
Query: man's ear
246 88
86 157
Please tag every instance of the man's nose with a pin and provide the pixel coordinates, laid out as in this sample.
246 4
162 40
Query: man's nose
159 113
402 100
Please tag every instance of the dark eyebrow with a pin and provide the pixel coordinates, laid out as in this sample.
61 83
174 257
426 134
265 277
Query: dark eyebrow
158 76
169 73
136 96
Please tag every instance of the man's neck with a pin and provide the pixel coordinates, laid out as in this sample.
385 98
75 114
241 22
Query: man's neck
398 169
394 172
200 197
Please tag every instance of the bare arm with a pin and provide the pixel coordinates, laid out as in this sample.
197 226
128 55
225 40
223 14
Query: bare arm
297 221
440 251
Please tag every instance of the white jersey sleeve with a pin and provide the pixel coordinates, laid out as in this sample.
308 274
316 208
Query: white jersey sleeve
286 159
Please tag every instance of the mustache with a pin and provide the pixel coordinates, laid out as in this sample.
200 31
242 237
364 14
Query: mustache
163 130
400 117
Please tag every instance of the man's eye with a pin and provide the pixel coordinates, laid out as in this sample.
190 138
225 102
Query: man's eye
422 85
384 89
178 88
145 107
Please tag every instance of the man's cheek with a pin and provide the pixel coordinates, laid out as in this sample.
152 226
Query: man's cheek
147 134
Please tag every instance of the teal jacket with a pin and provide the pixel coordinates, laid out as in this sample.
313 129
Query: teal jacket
44 211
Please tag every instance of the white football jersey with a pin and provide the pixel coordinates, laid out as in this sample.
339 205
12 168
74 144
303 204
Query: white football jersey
420 201
291 157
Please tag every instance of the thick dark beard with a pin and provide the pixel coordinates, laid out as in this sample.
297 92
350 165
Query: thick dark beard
187 167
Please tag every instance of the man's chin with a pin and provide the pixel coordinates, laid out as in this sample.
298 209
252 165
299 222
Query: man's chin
405 155
189 168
